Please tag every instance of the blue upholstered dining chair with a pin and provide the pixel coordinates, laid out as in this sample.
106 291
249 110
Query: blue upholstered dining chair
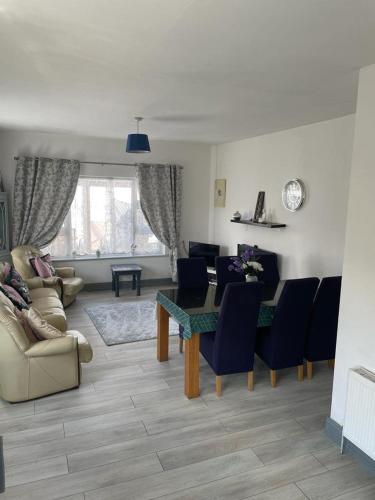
282 344
191 273
322 331
223 275
230 349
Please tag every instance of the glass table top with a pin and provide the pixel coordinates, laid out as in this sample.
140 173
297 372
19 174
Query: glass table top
207 300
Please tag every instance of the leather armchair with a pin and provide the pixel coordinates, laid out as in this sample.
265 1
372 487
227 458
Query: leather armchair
65 283
29 369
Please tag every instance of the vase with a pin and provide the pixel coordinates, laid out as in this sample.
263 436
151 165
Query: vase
250 278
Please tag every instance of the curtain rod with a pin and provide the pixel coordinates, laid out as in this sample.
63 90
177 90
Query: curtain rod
97 162
104 163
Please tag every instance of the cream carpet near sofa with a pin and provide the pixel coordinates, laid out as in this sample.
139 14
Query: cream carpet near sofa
127 321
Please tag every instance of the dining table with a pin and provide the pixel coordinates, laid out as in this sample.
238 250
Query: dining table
197 311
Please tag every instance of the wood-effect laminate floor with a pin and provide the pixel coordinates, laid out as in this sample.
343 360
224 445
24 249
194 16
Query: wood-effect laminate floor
129 433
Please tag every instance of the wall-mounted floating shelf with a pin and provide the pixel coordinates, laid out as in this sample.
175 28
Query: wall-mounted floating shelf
270 225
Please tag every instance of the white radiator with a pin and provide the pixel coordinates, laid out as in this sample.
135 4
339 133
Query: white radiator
359 422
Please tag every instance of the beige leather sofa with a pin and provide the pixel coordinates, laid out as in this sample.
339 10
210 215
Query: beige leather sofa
65 283
46 299
29 369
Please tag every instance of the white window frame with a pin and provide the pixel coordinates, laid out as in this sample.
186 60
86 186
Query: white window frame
86 197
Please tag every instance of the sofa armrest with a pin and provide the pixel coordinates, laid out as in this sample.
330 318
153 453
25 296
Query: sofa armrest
53 282
34 282
52 347
65 272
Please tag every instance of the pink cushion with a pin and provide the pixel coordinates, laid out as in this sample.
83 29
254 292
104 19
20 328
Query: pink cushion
14 296
41 268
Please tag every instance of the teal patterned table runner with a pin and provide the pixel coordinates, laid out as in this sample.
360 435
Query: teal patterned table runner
195 322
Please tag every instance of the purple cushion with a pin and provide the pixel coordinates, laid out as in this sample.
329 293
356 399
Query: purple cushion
13 296
14 279
48 260
42 266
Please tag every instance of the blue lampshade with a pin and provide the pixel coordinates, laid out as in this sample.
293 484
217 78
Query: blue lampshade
137 143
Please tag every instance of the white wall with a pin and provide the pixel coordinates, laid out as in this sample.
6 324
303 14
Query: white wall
194 157
356 333
320 154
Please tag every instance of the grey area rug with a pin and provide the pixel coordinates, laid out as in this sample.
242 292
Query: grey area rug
127 321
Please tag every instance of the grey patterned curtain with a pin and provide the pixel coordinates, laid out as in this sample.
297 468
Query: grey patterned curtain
43 192
160 191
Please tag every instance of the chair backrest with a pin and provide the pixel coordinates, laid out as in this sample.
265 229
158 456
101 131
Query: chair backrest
236 330
270 275
322 332
223 275
21 259
290 322
192 272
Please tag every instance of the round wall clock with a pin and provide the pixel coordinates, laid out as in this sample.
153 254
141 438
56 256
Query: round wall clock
293 195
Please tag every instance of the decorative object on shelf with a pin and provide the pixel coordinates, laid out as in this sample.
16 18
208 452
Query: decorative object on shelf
138 143
98 253
220 193
262 218
293 195
246 264
237 216
270 225
259 206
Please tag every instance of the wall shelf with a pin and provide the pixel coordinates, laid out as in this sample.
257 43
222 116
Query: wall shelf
270 225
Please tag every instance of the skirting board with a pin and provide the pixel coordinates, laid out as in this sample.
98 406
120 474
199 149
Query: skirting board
334 432
91 287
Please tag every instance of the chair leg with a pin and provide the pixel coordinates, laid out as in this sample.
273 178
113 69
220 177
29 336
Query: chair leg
181 345
309 366
331 363
250 380
300 373
218 385
273 377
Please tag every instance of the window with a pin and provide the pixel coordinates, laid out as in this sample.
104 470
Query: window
105 215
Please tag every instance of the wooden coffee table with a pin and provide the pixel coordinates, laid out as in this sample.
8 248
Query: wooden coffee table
126 269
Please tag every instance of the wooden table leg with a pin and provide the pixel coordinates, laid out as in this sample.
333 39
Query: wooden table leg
192 366
163 333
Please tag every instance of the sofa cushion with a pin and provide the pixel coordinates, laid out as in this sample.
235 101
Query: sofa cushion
47 301
72 286
40 267
41 328
25 325
14 279
6 301
44 293
13 296
84 348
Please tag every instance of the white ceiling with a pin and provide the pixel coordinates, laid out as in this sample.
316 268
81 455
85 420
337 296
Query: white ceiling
205 70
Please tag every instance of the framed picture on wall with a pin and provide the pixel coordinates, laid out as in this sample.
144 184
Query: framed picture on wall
220 192
259 206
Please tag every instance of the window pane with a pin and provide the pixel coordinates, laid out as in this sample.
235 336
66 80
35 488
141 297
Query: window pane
123 218
105 215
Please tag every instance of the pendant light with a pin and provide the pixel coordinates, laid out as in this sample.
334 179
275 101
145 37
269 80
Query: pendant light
138 143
